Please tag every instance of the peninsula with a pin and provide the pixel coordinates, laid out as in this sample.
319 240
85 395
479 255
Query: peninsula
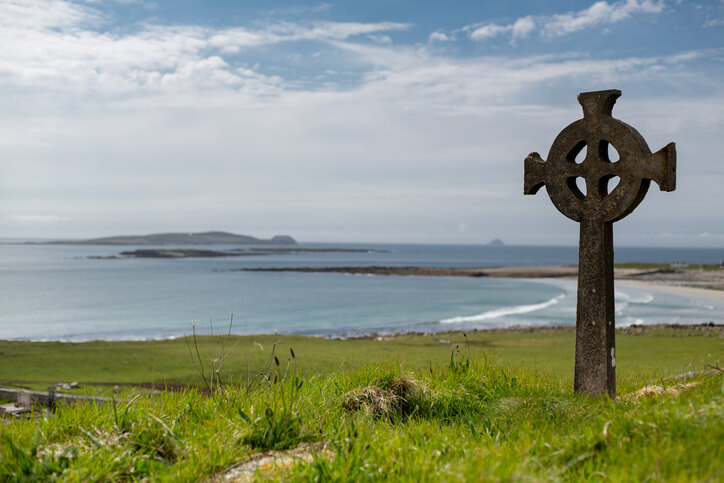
161 239
234 252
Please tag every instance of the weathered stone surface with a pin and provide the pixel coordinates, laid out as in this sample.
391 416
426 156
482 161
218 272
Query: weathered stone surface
13 409
596 207
24 399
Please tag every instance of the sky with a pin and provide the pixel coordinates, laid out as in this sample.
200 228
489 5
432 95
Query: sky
372 121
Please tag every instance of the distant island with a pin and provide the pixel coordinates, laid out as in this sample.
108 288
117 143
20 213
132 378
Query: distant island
496 243
160 239
235 252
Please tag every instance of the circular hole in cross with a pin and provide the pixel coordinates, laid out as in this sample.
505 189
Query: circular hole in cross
577 185
578 153
608 153
581 185
613 155
608 184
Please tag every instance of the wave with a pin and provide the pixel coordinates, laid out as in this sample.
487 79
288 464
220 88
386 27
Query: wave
502 312
620 307
646 299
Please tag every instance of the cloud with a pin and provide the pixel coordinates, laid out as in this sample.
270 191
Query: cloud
718 22
46 14
523 26
299 10
600 13
519 29
51 43
489 31
439 37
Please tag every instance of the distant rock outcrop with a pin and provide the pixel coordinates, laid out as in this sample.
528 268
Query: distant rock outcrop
283 240
160 239
496 243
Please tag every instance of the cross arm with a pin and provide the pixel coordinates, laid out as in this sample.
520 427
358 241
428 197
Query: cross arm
534 176
661 167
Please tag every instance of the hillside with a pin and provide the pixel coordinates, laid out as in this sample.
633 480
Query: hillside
291 408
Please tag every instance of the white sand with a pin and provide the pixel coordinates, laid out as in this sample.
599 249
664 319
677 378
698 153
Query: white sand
675 289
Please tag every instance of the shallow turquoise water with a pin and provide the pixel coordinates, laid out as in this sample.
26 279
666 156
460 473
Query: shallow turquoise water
56 293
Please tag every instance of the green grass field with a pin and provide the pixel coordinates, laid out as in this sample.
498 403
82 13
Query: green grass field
412 408
38 364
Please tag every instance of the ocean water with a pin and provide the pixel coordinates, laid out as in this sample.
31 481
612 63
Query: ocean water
55 292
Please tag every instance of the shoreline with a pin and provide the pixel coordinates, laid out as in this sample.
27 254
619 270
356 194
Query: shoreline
548 271
689 329
706 328
700 292
707 283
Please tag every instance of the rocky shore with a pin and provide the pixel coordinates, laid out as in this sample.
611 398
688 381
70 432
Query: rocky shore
564 271
708 329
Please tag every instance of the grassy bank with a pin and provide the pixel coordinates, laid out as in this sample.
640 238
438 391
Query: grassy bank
100 365
472 418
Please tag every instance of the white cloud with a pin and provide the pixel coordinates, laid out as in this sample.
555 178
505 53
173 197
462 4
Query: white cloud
600 13
439 37
43 14
519 29
49 43
489 31
718 22
523 26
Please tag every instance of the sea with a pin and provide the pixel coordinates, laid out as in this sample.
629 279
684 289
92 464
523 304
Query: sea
71 293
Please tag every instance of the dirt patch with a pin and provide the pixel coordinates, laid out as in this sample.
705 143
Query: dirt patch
273 463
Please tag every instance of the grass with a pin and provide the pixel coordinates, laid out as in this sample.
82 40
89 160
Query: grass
37 365
472 416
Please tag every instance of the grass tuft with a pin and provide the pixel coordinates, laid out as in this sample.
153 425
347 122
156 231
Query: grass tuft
398 398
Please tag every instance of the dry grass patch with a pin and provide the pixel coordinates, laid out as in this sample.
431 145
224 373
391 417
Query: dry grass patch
657 391
398 399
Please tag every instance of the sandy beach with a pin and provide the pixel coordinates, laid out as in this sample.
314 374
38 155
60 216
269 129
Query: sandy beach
697 282
675 289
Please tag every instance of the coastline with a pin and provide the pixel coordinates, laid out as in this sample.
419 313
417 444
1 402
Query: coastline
547 271
707 329
703 328
705 283
708 293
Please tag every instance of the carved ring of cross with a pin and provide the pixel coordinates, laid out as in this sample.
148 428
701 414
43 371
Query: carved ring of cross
635 168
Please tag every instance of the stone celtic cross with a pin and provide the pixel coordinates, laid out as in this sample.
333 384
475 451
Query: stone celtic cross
583 189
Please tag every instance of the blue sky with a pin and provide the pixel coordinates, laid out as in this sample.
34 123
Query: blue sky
377 121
